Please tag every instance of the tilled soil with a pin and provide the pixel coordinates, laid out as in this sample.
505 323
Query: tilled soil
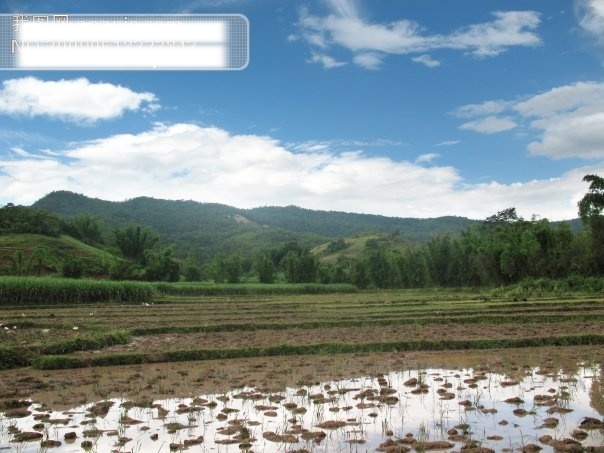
348 335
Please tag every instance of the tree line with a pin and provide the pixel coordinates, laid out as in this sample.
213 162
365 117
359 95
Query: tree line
503 249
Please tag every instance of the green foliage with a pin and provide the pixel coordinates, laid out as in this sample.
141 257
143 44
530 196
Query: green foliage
336 246
591 207
57 362
72 268
226 269
592 203
161 267
301 267
12 358
200 289
47 291
134 241
31 254
88 229
22 219
192 269
86 342
266 268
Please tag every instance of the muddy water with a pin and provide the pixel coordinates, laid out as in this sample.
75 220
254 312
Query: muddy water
495 402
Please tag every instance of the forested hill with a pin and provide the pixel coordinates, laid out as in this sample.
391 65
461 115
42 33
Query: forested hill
182 218
342 224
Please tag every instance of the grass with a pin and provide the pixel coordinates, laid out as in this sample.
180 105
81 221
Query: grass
26 291
55 252
200 289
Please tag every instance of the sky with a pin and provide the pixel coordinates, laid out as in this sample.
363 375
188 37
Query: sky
406 108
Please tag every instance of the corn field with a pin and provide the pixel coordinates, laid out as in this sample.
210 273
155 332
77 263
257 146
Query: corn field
53 291
200 289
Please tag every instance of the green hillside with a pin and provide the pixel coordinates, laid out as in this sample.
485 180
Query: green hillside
352 248
342 224
204 228
209 228
33 254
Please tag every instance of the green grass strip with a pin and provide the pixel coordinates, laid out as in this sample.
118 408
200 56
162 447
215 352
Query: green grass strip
18 356
26 291
250 289
59 362
433 320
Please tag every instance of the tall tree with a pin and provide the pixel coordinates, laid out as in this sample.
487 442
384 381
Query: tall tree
88 228
133 241
590 211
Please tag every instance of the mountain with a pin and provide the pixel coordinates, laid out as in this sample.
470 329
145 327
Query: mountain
203 228
208 228
341 224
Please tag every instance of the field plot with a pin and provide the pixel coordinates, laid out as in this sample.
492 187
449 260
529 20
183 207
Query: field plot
356 371
176 328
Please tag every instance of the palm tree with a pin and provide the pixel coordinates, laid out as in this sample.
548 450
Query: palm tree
133 241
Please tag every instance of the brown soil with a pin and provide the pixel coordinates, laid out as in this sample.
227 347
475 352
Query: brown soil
146 383
348 335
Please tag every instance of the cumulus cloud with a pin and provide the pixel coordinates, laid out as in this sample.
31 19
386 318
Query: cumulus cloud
590 14
568 120
345 28
77 100
187 161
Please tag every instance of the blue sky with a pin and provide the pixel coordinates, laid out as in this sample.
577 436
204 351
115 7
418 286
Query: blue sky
404 108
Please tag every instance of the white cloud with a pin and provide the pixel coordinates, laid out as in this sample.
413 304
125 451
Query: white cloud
569 120
426 158
564 99
76 100
590 14
485 108
187 161
368 60
325 60
449 143
571 136
427 60
346 28
490 125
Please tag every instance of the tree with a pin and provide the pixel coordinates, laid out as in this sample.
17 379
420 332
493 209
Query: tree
88 228
301 267
592 203
590 211
265 268
134 241
192 269
218 268
38 255
161 266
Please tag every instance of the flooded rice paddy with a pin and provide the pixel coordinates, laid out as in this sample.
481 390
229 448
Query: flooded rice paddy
489 401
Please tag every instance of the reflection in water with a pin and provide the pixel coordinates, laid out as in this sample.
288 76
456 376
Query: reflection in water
446 408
